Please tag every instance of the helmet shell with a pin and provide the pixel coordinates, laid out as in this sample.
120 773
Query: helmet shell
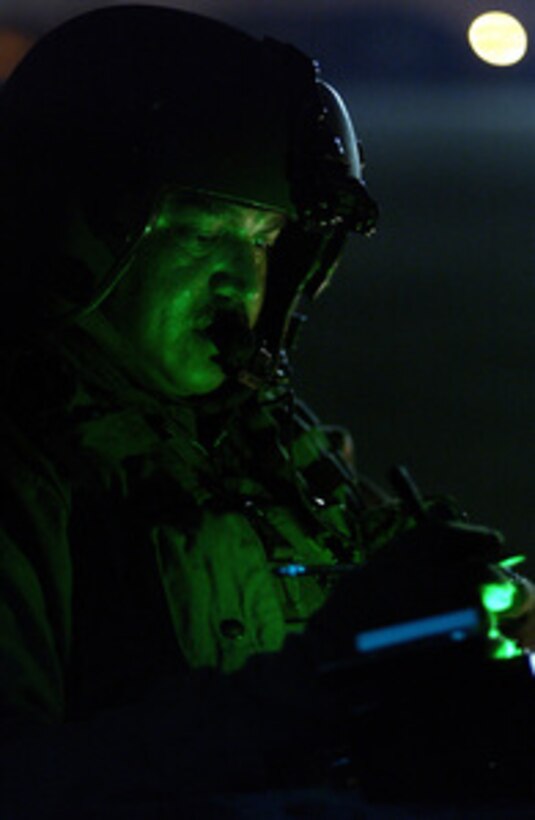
155 96
117 104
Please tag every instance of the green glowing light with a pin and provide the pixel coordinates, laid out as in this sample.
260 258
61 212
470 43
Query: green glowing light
512 561
498 597
505 650
502 648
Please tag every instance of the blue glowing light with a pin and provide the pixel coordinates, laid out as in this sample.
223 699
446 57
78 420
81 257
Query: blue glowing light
450 624
292 570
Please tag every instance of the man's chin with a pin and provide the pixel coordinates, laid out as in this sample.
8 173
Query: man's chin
181 384
203 381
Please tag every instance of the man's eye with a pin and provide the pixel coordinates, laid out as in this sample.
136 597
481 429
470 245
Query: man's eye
201 242
205 238
264 242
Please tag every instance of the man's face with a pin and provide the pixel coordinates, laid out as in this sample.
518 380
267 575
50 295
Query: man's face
197 261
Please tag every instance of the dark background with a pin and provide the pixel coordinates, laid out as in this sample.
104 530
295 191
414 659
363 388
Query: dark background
424 346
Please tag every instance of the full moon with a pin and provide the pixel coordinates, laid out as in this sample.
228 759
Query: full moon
498 38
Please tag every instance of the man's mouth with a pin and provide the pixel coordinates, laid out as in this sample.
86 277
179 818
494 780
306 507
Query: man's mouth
229 331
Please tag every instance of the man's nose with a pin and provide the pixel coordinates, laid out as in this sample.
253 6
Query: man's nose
238 278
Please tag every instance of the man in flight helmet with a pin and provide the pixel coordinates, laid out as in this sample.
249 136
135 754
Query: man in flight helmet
171 190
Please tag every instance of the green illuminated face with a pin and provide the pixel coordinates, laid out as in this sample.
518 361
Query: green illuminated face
196 260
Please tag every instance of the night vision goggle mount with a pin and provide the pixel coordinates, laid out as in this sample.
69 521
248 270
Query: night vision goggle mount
327 175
